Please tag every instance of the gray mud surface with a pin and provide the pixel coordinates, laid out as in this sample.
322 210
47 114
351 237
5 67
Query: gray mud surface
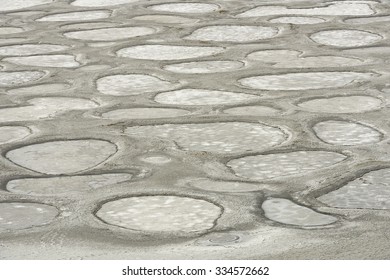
194 130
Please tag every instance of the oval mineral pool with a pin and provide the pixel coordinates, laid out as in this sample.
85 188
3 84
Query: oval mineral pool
110 34
58 104
144 113
367 20
45 107
10 134
21 215
370 191
186 8
222 137
65 185
63 61
223 239
346 133
233 33
63 157
156 159
287 212
9 5
10 30
10 79
161 213
298 20
303 81
39 89
165 19
332 9
202 97
168 52
88 25
132 84
252 111
262 167
101 3
203 67
346 38
31 49
76 16
295 59
342 104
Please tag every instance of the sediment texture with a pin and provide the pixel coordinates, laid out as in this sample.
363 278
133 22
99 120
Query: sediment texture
184 129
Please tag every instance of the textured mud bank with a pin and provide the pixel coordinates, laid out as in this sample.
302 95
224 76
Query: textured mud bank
183 129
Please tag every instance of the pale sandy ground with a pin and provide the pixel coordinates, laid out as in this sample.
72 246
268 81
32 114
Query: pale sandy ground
203 130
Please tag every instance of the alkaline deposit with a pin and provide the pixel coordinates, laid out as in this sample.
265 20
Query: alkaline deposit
194 130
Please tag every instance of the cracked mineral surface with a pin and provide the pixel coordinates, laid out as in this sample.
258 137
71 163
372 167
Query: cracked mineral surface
216 129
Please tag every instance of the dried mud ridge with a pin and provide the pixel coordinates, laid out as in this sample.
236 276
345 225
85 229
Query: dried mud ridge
210 129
